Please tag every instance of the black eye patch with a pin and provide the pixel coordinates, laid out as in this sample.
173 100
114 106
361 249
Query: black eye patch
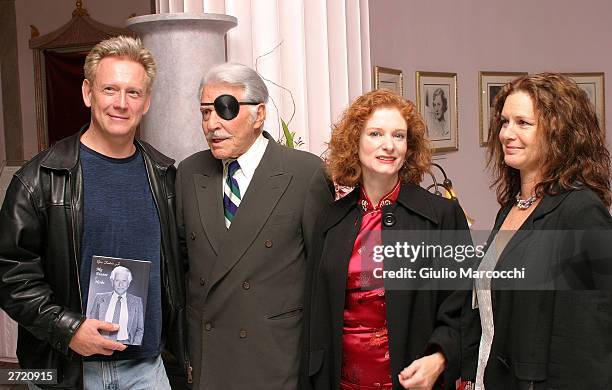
227 106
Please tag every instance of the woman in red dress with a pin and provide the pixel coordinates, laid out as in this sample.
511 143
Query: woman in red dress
359 334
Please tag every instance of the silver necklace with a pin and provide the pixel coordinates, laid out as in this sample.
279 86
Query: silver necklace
524 204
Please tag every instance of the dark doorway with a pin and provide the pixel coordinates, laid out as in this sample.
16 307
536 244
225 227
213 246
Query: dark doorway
66 112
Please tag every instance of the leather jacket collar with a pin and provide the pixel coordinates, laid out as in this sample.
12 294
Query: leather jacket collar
65 155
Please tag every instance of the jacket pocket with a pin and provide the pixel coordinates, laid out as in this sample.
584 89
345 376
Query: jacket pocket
281 219
530 375
530 371
315 361
286 314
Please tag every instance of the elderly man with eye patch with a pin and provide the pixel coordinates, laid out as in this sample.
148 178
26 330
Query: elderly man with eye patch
246 209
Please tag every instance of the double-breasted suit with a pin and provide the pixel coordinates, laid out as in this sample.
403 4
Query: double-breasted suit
245 283
135 325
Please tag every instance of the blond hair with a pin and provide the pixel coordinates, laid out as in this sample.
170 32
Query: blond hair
121 46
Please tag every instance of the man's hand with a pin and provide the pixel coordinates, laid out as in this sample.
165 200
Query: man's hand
88 341
423 373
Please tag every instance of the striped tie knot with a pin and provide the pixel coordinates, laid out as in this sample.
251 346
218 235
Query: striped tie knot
231 193
232 167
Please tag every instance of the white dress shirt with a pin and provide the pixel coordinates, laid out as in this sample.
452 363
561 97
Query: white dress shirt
249 162
123 315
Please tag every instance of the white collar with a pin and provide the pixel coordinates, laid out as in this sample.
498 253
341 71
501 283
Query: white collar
115 295
250 159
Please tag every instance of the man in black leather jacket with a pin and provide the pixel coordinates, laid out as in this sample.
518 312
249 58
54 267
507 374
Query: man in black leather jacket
52 217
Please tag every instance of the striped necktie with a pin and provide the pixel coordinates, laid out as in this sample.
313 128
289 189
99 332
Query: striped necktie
116 316
231 193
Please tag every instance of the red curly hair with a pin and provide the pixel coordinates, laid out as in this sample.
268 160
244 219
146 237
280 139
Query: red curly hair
574 154
343 163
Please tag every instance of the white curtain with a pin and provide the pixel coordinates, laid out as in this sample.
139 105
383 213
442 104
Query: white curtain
317 49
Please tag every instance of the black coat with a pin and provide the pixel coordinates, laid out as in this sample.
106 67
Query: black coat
557 337
41 228
418 323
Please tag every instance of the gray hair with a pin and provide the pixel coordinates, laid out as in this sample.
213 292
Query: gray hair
121 269
235 74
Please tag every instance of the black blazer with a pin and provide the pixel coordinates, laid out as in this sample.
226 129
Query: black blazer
559 337
418 322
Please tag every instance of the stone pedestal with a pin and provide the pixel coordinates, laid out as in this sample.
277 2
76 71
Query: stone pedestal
184 46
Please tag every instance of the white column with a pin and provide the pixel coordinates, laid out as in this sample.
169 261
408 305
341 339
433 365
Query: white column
185 46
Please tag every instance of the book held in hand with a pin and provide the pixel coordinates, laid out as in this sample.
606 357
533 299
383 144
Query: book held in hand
118 294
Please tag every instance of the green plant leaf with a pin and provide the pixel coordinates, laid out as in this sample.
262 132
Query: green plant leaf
288 135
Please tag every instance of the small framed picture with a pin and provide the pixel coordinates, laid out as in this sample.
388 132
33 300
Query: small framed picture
593 85
390 79
490 84
436 99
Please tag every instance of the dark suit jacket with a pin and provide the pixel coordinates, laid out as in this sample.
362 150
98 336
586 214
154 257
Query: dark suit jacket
559 337
245 284
419 322
135 314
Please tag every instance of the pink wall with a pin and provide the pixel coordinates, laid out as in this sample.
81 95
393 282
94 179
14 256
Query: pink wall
47 16
465 37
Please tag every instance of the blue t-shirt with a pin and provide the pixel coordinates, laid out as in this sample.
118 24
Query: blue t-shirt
120 219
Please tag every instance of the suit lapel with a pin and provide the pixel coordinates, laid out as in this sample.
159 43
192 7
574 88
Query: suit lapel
131 307
209 196
104 305
267 186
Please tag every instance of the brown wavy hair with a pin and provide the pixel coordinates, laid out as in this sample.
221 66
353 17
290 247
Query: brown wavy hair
343 159
574 154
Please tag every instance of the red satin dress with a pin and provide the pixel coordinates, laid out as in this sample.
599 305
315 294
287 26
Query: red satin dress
365 340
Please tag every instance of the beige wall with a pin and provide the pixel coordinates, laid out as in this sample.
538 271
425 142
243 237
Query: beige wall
47 16
465 37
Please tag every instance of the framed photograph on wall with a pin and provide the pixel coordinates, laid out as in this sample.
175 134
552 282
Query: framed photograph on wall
436 99
388 78
593 85
489 85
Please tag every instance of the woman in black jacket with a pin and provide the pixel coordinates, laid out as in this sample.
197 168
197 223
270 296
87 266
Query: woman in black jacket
359 333
551 329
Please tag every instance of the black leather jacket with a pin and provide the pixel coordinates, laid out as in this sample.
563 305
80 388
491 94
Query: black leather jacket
40 241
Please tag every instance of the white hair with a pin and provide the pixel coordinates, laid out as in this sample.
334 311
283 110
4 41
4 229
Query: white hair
235 74
121 269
